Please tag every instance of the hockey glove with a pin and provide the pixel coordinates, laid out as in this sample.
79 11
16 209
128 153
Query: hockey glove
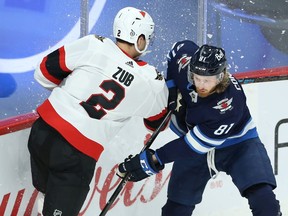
140 166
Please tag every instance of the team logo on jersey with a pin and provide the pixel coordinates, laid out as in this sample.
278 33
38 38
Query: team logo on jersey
130 63
183 62
159 76
224 105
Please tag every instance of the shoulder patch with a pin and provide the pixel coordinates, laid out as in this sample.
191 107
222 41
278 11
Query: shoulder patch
159 75
183 62
101 38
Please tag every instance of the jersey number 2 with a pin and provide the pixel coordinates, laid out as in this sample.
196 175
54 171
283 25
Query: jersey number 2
97 103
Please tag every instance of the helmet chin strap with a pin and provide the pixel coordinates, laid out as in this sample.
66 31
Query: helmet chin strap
146 52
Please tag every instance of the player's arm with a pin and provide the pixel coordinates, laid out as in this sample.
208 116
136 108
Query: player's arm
173 92
178 119
58 64
153 122
177 104
150 162
157 106
169 78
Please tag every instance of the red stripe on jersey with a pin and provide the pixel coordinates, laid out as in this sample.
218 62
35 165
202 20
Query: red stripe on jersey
62 60
153 122
69 132
141 63
46 74
158 116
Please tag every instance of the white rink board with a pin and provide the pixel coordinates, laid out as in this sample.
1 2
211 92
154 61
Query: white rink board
268 104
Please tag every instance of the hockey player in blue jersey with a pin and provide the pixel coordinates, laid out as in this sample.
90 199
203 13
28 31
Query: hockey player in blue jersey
216 133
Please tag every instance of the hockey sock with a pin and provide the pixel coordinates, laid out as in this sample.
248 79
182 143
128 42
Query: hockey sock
262 201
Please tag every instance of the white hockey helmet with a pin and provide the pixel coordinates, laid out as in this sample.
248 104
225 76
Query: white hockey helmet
130 23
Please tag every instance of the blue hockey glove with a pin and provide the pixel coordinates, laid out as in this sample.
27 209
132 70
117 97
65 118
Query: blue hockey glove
140 166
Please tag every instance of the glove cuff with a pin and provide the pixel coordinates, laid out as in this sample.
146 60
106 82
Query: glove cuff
158 166
147 163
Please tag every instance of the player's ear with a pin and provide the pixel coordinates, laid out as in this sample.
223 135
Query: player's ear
141 43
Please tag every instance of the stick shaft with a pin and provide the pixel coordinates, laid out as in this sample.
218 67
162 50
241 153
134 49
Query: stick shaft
126 177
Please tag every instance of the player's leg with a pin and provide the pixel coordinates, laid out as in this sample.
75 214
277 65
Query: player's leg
186 186
262 200
252 173
38 153
70 175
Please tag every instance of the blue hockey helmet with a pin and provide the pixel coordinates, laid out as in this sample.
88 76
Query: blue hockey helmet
208 61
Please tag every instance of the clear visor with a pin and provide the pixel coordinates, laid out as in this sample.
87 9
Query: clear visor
151 39
218 77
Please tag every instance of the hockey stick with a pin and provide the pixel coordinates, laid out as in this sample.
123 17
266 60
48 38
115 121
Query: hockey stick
127 175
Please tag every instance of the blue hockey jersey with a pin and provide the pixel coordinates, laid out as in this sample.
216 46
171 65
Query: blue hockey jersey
217 121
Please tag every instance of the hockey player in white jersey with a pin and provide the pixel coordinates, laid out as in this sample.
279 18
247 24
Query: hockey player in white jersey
97 86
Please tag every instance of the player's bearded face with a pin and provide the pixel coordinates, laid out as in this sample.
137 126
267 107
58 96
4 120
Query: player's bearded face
205 85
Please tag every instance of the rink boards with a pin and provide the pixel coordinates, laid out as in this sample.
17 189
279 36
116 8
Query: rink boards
267 99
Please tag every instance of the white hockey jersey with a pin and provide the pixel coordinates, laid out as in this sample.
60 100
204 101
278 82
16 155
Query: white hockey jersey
96 89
